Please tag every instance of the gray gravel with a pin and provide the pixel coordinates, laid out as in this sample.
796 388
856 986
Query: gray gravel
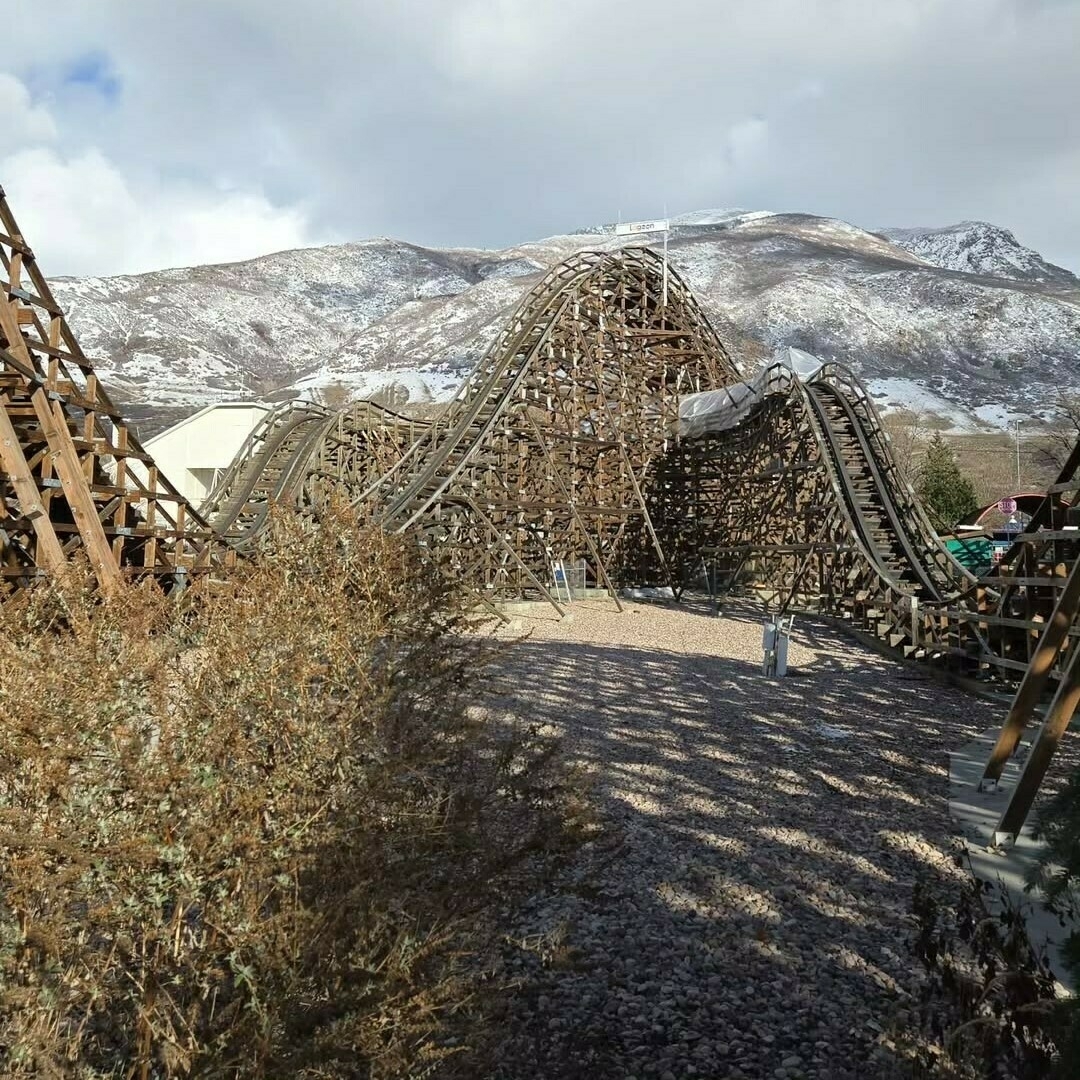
745 910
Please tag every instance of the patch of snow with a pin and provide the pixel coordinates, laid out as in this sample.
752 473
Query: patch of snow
413 384
511 268
977 247
896 393
719 217
972 348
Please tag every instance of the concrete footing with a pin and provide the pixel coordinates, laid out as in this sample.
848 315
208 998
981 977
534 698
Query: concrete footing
977 813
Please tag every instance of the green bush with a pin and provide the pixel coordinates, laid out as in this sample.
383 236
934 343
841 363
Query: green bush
256 832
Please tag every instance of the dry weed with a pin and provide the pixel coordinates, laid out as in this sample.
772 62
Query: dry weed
255 831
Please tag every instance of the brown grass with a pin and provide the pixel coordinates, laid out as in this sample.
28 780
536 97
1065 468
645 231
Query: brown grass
256 832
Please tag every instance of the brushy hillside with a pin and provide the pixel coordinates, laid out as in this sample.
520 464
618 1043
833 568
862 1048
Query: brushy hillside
256 831
964 322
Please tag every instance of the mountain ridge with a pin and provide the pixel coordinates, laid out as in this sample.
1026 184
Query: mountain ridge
963 321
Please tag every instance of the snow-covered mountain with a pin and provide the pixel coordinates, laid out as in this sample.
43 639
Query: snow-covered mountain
977 247
964 323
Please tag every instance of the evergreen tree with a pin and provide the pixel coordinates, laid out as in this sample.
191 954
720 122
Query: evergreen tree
943 488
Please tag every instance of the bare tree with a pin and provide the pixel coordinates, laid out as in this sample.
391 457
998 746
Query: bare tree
907 432
392 395
334 395
1059 441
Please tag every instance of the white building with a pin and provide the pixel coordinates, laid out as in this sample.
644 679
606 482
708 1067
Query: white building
194 452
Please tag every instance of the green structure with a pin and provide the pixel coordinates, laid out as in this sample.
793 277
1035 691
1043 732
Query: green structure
976 554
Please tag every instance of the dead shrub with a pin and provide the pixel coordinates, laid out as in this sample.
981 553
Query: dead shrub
255 831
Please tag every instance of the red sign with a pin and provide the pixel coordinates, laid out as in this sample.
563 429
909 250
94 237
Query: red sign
1007 506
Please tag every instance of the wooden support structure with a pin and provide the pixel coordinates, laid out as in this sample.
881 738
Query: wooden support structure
1037 677
74 477
1057 719
549 451
565 444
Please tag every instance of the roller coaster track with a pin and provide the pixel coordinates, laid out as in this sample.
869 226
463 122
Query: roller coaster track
545 452
565 445
882 525
804 502
297 456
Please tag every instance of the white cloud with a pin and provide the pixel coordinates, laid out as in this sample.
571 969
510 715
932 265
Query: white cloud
22 122
501 43
82 217
747 142
485 122
84 214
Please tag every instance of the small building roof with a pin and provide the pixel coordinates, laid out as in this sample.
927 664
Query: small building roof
205 411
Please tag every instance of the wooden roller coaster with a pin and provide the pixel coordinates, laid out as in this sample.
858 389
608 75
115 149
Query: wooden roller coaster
299 456
75 477
565 445
804 502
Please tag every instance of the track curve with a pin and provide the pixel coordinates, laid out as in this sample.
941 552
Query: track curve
803 501
297 456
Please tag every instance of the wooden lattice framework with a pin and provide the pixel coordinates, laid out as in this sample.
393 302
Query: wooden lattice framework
300 455
549 452
1040 582
74 477
804 503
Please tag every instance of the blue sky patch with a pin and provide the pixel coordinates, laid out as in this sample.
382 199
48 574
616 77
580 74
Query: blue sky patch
94 71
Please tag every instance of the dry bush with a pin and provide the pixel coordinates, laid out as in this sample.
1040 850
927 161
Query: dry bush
255 832
334 395
1060 438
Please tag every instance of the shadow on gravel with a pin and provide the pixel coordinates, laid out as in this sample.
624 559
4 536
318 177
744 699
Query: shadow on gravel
746 912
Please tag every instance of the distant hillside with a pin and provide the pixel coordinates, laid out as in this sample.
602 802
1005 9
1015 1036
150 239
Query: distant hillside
962 322
977 247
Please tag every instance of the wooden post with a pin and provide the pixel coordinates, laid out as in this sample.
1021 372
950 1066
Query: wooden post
1053 727
49 552
1035 678
69 468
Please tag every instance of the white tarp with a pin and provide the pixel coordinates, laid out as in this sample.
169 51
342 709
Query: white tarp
718 410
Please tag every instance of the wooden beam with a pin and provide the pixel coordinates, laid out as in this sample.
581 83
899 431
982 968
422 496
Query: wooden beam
1046 743
49 554
69 469
1033 685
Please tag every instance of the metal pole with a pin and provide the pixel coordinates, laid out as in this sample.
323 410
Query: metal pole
1017 428
663 297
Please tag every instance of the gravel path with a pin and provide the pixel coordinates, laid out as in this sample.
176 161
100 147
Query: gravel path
745 911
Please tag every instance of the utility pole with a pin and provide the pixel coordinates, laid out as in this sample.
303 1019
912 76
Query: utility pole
1017 429
667 227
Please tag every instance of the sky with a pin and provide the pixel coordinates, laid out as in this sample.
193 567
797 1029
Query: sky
140 135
